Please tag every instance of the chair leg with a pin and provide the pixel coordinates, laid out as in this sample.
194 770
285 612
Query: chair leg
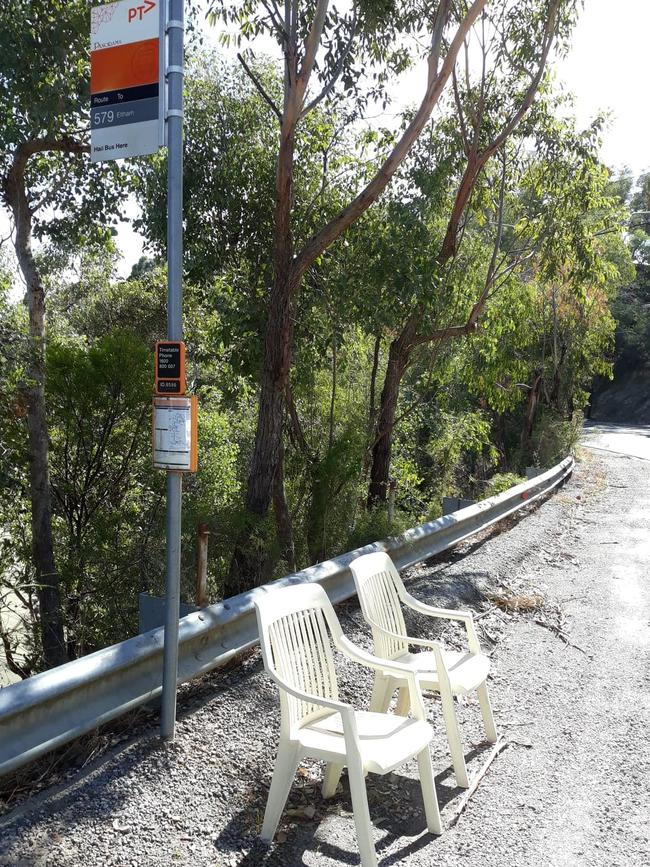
283 777
486 711
331 779
453 737
362 815
403 702
381 693
431 809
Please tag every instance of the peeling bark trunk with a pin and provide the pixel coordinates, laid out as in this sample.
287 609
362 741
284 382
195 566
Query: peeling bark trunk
47 577
245 569
398 359
557 379
531 412
283 522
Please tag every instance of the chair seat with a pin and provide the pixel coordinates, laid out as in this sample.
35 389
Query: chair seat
466 670
385 740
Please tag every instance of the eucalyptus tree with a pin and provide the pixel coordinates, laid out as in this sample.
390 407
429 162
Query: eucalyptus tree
492 96
631 308
326 47
51 192
550 329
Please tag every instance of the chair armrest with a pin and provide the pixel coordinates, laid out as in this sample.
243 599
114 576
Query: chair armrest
387 665
350 731
465 617
431 611
436 646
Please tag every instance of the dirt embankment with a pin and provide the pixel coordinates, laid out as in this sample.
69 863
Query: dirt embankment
625 400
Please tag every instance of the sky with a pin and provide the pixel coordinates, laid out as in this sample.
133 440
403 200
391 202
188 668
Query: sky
606 69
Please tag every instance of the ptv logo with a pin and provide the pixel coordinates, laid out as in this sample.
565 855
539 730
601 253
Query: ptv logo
136 12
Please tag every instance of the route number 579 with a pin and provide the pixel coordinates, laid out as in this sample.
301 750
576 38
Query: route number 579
100 117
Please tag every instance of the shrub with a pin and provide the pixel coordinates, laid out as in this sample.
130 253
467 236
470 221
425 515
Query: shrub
374 525
502 482
555 437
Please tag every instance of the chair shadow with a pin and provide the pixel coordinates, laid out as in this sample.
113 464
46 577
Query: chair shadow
396 808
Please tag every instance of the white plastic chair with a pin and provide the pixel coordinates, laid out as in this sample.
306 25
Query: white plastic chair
295 625
381 590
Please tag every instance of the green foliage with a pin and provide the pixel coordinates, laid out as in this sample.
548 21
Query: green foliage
555 437
459 442
374 525
502 482
229 174
44 67
98 399
630 307
211 495
361 48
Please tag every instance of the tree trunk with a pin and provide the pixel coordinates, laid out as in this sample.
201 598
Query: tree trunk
283 522
372 410
449 245
555 398
47 577
531 412
245 571
398 359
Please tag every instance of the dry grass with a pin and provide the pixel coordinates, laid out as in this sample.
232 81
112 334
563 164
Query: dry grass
517 603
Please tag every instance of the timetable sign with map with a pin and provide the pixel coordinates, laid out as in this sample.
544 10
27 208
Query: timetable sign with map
175 433
125 79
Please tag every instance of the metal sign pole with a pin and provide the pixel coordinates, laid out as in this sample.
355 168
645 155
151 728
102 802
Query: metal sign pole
174 116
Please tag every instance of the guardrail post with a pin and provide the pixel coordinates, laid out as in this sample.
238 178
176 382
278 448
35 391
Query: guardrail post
202 537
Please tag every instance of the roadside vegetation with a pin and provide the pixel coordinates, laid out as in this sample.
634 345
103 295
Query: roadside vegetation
375 315
627 399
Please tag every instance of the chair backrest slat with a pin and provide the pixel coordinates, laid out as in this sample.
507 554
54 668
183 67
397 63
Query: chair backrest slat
296 644
378 583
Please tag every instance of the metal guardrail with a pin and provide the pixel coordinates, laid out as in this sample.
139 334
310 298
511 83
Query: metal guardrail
52 708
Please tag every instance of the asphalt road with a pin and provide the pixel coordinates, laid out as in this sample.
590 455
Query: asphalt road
630 440
570 688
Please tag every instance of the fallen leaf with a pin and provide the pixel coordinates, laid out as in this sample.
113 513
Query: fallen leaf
307 812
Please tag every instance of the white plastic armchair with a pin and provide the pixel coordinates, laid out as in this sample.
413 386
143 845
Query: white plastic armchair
381 593
297 626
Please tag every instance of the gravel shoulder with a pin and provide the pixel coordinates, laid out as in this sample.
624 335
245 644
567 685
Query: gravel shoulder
570 689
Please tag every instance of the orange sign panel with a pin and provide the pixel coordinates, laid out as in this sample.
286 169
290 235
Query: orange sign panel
124 66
